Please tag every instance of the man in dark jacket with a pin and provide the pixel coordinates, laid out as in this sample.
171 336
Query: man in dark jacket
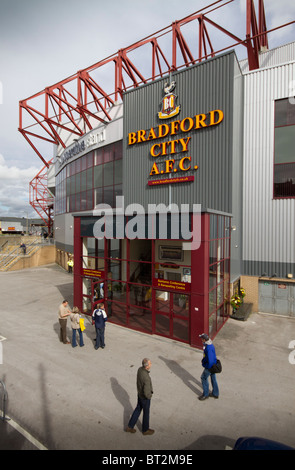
144 395
209 359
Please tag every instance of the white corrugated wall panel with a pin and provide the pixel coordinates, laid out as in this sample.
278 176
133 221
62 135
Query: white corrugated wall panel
273 57
268 224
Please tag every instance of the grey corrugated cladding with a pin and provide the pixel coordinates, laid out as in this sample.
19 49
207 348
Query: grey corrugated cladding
217 150
269 224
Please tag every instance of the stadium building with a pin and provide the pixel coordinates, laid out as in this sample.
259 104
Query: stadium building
180 194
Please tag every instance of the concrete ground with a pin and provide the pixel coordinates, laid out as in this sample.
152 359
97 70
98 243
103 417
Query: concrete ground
66 398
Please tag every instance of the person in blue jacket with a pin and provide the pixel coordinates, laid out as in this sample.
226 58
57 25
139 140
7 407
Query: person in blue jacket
99 317
209 359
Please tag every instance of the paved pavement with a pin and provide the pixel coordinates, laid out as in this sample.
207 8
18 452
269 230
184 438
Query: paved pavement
63 398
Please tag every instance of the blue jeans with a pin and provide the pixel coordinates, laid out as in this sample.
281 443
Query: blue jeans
74 341
142 404
205 383
99 337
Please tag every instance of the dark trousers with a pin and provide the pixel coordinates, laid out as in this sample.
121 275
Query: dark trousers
99 337
142 404
63 330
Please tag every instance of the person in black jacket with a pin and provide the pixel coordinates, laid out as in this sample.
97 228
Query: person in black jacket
144 395
99 317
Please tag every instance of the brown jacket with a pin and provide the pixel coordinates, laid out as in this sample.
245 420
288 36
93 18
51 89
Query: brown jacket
144 383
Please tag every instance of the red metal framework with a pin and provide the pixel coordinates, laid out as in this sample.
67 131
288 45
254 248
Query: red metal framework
73 104
40 197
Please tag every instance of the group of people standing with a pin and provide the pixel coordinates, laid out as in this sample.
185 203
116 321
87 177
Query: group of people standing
143 379
99 317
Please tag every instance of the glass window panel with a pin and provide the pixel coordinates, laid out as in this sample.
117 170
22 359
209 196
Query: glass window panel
213 226
226 268
181 304
226 247
140 318
284 180
212 251
140 295
78 165
220 317
89 197
220 252
212 324
114 248
78 202
98 196
68 186
86 304
220 297
78 182
140 272
84 162
89 160
83 181
212 276
108 196
108 153
220 226
117 312
117 291
141 250
118 150
162 301
108 173
180 329
72 203
98 156
94 247
162 325
98 176
89 178
118 172
212 300
285 144
73 185
114 267
72 168
118 190
284 113
83 206
89 244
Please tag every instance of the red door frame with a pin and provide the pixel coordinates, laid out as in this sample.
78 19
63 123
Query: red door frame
199 298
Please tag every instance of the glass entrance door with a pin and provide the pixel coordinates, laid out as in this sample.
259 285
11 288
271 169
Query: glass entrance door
97 292
172 315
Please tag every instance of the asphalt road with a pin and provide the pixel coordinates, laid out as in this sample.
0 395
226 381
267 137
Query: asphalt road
60 398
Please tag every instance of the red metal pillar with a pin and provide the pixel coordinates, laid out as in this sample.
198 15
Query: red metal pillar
200 286
77 263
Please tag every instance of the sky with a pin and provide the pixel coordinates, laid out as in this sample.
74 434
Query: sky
45 41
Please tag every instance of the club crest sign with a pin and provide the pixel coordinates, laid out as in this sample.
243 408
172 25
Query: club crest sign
169 108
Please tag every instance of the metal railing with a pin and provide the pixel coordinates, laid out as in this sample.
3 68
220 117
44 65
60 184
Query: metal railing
15 254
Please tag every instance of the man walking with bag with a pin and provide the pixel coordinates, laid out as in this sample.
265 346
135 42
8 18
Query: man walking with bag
209 360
